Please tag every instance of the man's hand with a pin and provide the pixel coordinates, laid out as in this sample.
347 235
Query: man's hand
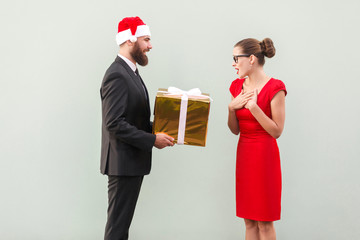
163 140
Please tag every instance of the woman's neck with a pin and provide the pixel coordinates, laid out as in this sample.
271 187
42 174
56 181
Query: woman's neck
256 78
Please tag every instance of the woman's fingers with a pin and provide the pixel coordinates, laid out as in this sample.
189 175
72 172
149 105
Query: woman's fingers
248 98
244 95
248 94
242 99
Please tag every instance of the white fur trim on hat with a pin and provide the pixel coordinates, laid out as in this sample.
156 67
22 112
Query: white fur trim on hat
142 30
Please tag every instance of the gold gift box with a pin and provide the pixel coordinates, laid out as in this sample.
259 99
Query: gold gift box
167 112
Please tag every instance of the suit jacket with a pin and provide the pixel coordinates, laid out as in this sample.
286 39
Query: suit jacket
126 128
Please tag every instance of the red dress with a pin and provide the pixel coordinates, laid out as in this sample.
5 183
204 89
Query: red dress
258 170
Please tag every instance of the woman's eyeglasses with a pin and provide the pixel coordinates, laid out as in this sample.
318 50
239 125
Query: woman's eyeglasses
242 55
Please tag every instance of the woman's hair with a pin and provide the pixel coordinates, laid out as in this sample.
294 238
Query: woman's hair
262 49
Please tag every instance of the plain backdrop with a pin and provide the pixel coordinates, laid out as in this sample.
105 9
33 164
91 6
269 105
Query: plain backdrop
53 56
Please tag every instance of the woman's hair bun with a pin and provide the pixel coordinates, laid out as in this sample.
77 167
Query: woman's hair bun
267 47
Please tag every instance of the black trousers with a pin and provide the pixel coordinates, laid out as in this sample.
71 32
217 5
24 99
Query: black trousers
123 192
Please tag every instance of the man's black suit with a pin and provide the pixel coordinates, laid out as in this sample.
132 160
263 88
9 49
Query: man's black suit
126 143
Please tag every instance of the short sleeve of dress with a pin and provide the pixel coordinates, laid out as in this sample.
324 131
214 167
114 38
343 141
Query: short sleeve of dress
278 86
235 87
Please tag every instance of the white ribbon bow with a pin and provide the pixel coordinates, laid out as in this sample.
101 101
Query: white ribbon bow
191 92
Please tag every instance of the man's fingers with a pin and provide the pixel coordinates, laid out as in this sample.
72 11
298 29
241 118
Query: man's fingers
171 139
166 140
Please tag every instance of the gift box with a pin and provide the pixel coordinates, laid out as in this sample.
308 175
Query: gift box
182 115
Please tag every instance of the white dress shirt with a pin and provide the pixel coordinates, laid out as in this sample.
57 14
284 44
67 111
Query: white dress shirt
130 63
133 67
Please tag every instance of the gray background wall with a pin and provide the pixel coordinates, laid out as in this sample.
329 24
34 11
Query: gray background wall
53 55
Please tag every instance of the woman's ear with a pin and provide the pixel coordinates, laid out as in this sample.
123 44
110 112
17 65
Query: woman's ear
252 59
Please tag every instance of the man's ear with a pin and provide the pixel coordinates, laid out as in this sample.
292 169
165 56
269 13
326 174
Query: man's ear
129 43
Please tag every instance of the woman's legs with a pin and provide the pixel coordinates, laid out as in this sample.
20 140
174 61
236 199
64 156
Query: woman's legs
257 230
267 230
252 230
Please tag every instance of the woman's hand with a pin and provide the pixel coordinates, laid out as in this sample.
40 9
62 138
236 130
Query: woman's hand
253 100
240 101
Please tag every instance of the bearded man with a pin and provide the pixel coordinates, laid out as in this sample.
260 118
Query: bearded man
127 140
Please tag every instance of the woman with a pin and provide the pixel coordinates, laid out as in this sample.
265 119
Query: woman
257 112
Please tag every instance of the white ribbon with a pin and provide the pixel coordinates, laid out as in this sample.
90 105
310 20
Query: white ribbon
183 108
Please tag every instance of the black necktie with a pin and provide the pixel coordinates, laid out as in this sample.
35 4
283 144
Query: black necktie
142 83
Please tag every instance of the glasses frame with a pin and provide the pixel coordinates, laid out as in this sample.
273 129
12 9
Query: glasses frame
235 58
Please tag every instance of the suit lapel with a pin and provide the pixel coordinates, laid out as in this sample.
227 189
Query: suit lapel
144 87
147 94
137 80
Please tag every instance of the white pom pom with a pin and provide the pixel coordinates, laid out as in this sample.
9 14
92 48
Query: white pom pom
133 39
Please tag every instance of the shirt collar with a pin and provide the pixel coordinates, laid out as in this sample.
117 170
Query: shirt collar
130 63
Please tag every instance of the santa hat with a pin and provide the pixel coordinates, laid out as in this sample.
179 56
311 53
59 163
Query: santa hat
131 28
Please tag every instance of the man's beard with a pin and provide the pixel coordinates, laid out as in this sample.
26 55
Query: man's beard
139 56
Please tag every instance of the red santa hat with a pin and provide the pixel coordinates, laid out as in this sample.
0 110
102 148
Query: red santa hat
131 28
